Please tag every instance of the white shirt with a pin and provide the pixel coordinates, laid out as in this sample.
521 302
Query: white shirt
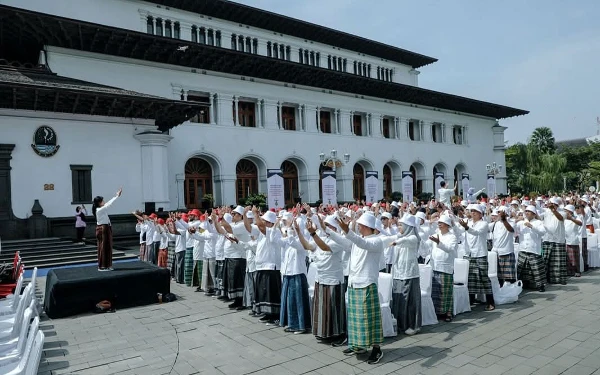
139 227
364 259
573 231
329 263
179 239
220 247
210 245
405 264
200 240
555 229
233 250
446 196
268 254
530 239
102 214
294 257
476 239
149 228
444 253
503 241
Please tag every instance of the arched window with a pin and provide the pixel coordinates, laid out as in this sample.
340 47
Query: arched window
150 25
198 182
290 182
202 36
358 184
247 179
177 31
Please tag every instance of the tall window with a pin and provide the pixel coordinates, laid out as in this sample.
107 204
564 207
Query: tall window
290 181
457 135
194 34
414 130
436 133
150 25
81 183
177 31
358 183
300 56
387 182
288 117
218 38
255 46
357 125
159 27
234 42
211 37
269 52
385 125
202 38
325 122
246 114
198 182
247 179
168 29
203 117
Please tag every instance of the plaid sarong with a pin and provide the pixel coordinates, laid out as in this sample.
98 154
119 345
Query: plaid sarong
479 281
531 269
143 252
507 267
234 273
197 275
442 289
171 257
584 254
572 259
364 317
329 311
188 268
555 255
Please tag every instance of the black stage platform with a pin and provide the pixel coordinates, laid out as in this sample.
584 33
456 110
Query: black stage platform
72 291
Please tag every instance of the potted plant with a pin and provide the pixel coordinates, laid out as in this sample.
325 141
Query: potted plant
207 201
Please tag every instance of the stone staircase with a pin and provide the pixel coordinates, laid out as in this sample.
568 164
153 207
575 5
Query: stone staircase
54 252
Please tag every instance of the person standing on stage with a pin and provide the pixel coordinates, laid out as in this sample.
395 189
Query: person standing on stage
104 231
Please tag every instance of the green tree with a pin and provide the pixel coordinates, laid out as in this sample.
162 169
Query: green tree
543 139
516 167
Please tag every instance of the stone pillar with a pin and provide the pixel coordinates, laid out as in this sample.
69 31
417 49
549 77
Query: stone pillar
180 191
376 125
236 111
213 107
426 131
37 222
312 125
446 133
259 114
155 168
500 158
224 109
6 212
270 119
228 183
336 122
313 193
346 122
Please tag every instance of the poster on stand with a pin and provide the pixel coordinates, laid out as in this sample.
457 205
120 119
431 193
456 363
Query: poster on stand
407 186
439 177
372 186
466 184
275 192
329 188
491 186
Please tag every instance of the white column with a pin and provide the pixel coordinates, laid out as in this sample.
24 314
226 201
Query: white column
224 112
345 122
318 119
280 115
336 124
426 131
312 125
259 114
144 23
376 125
155 168
270 114
465 135
163 27
213 112
300 126
236 111
396 128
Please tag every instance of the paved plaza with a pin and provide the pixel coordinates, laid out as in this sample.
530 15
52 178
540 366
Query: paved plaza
557 332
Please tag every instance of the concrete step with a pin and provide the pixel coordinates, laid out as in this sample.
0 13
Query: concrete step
68 262
53 247
16 244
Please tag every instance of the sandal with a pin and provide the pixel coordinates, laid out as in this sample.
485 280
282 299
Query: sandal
577 275
490 308
448 318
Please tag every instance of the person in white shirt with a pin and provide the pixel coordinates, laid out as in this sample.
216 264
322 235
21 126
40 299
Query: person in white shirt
267 294
80 224
104 231
329 305
406 289
139 227
250 279
503 242
531 262
573 225
446 194
443 252
209 265
178 232
163 243
554 246
476 231
364 309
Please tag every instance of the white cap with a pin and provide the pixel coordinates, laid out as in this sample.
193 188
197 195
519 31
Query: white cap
228 218
495 213
368 220
555 200
269 216
395 204
420 215
570 207
446 220
239 210
332 220
386 215
464 203
476 207
531 209
409 220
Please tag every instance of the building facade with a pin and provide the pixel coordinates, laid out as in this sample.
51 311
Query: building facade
252 91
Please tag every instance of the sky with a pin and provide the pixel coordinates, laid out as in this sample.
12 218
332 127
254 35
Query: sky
539 55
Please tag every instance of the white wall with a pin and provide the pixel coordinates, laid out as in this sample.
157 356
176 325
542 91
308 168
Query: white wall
130 14
228 143
109 147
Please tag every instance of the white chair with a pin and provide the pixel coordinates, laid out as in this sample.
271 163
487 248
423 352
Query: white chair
311 278
384 286
9 304
29 362
493 272
427 308
24 349
33 362
461 292
593 250
10 324
17 344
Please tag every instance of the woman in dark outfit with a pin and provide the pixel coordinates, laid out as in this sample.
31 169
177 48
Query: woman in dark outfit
104 231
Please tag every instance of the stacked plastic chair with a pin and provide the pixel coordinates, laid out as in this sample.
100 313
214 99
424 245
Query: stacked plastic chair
460 290
389 323
427 308
21 340
593 250
6 289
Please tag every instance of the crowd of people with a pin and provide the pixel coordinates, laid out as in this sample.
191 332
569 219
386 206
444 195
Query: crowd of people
258 261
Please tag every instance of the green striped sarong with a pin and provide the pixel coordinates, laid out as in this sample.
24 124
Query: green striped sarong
442 292
364 317
188 269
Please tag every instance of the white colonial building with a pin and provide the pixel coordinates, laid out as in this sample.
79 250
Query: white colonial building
177 99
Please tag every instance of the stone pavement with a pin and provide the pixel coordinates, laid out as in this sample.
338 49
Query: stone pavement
557 332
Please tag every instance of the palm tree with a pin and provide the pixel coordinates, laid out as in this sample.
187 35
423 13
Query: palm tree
543 139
